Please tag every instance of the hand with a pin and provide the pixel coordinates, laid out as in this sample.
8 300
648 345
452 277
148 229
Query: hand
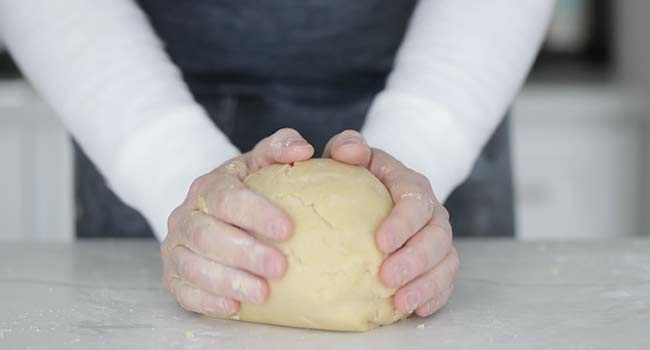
210 260
423 262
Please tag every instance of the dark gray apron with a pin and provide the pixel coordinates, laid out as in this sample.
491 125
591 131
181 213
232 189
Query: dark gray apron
313 65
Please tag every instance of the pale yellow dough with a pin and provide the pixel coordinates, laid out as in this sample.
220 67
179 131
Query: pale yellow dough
332 279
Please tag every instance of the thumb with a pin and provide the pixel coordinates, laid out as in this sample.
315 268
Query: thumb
348 147
284 146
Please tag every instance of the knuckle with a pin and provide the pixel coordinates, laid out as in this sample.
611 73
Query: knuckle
199 237
383 170
443 211
225 197
420 180
422 184
444 237
189 270
197 186
173 219
227 204
411 227
234 167
433 286
168 244
447 241
164 248
222 202
423 258
400 173
181 263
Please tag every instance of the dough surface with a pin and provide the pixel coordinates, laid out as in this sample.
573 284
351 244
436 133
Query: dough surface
332 278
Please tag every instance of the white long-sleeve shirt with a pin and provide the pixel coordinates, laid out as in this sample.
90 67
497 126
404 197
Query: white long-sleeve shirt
104 71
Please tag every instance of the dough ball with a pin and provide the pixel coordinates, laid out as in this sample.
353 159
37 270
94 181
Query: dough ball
332 279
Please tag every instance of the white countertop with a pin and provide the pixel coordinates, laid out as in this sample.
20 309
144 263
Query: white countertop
510 295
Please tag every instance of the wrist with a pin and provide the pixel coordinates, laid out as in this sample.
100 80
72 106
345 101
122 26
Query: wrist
423 136
157 165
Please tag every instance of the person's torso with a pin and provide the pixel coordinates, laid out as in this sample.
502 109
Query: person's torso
273 45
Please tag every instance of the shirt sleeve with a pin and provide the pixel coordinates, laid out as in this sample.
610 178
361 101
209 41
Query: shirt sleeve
103 70
459 67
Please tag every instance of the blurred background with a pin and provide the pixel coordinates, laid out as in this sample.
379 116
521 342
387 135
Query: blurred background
580 136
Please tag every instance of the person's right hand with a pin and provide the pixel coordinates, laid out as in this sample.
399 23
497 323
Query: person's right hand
211 261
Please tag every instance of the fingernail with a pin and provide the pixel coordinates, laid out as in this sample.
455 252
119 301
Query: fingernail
349 141
295 143
412 300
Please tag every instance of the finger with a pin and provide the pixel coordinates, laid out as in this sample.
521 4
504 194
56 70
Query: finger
429 285
227 198
197 300
218 279
441 216
420 254
434 304
284 146
413 197
229 245
348 147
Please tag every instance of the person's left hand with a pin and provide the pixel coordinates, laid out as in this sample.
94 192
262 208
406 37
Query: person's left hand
416 235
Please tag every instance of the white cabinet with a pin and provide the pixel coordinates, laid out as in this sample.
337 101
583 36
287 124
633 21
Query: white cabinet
36 168
579 162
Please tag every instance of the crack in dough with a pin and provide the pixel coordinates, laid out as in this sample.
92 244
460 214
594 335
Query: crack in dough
311 206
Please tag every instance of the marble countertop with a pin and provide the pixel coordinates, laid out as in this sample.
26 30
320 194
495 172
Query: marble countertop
509 295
